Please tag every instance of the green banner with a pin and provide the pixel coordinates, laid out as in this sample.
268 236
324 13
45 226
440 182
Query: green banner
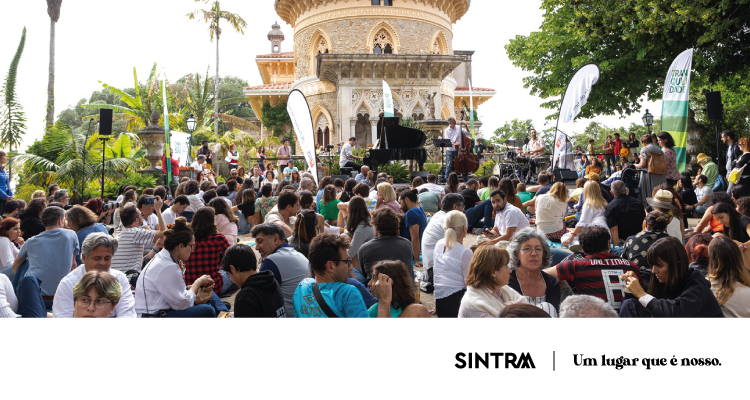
675 104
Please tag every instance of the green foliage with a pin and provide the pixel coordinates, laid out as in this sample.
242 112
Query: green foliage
633 42
396 170
275 118
434 168
300 165
410 123
485 169
215 15
137 180
12 117
24 192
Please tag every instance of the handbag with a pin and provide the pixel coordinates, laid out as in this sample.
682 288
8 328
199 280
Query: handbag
656 163
736 174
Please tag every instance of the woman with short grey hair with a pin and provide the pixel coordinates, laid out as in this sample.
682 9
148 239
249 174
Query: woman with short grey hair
529 254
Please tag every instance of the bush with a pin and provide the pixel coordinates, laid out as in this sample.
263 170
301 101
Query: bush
396 170
139 181
434 168
24 192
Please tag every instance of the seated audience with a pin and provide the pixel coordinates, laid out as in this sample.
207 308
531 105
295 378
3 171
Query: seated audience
179 205
305 229
82 221
697 251
730 280
128 198
387 245
433 233
637 245
736 226
328 294
403 300
260 295
522 310
529 255
387 198
550 211
415 222
31 218
8 299
677 291
487 290
593 212
597 274
703 194
96 295
624 214
430 201
96 252
471 198
327 205
161 290
210 245
225 220
586 306
508 219
360 232
709 224
664 200
134 239
287 265
10 240
451 264
281 214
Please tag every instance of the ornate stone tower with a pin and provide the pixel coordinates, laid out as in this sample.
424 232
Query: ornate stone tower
276 36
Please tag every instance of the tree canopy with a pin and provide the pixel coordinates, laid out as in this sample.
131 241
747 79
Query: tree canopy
633 42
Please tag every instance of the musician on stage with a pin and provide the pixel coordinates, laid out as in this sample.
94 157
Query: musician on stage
480 149
347 158
535 149
454 134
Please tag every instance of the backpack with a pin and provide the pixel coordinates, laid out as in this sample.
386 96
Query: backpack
656 163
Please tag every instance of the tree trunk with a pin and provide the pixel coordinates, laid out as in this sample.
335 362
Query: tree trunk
216 98
51 78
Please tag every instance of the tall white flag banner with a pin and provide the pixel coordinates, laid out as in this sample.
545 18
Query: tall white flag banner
471 111
576 96
387 101
299 113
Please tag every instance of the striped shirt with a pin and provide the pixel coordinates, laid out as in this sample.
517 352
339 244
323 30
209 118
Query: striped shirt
131 243
598 275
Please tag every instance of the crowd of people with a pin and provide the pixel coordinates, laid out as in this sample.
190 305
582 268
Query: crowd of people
363 247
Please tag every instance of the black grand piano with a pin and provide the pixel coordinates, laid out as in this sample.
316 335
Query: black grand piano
397 142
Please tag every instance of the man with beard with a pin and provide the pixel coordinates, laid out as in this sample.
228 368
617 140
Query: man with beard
508 219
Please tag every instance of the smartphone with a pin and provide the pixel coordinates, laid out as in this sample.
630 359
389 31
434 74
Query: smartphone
150 200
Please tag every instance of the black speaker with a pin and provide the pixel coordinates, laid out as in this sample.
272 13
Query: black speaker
105 122
421 174
565 175
714 108
342 177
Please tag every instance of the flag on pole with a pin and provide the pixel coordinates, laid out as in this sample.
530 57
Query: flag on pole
387 101
575 97
471 111
675 104
299 113
168 158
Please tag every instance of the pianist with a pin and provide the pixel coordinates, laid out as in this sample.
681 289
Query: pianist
347 158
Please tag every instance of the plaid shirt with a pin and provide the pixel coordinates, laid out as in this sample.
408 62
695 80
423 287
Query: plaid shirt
206 260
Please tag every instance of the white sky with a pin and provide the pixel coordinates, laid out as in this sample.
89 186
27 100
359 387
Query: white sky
98 42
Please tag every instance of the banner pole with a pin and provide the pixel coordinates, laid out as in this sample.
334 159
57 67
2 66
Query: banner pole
168 158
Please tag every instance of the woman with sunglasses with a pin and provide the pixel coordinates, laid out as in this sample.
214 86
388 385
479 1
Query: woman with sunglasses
160 290
96 295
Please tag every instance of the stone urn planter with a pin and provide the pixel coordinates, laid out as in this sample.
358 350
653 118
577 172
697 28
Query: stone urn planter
152 139
434 130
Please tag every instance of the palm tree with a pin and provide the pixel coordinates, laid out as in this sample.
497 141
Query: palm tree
213 17
78 160
13 119
53 10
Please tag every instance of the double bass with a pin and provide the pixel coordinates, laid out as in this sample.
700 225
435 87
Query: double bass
466 162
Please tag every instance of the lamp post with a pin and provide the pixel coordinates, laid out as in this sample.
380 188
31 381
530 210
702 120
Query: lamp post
191 125
648 120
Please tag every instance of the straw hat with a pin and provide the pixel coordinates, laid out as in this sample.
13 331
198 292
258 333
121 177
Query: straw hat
593 176
663 199
702 157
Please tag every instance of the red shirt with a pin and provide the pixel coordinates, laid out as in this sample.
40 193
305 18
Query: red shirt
206 260
175 165
618 146
598 275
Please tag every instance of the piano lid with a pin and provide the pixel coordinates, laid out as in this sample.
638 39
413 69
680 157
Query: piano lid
399 137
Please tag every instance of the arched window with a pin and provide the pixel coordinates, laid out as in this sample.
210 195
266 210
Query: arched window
375 2
383 43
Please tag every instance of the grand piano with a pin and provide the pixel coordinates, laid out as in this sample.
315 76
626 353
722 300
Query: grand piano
397 142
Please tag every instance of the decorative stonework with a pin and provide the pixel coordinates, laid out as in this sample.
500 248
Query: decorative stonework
330 103
383 42
373 12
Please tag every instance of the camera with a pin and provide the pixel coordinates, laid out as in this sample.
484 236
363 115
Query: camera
109 206
329 146
149 201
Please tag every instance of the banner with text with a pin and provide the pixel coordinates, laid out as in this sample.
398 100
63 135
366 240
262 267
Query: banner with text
387 101
299 113
576 96
675 104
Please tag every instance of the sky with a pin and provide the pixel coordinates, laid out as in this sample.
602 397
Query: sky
96 41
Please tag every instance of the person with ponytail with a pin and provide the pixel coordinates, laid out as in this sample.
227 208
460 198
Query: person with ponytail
160 290
305 229
676 291
697 250
451 264
730 280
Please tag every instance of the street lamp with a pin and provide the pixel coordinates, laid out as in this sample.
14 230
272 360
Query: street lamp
191 125
648 120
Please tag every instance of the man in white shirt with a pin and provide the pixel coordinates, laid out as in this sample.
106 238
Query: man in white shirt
454 134
200 166
432 185
703 193
180 204
133 238
96 252
535 149
433 233
347 158
147 211
508 219
283 211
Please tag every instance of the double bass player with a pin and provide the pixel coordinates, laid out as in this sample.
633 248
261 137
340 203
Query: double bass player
454 134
